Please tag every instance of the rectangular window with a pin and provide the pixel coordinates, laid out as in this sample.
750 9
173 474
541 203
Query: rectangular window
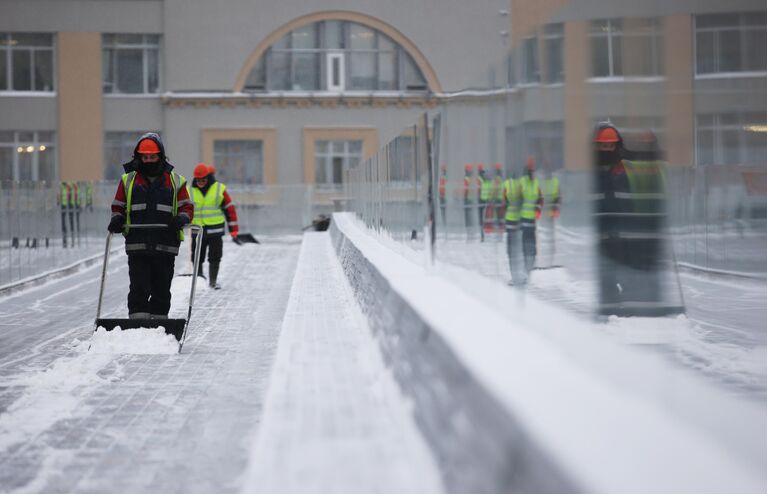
131 63
239 161
118 149
730 43
731 139
28 156
335 72
530 68
332 159
26 62
553 42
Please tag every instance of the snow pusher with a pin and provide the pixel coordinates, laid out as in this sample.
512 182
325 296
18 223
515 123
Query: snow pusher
175 327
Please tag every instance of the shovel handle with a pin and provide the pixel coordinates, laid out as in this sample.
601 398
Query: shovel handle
199 230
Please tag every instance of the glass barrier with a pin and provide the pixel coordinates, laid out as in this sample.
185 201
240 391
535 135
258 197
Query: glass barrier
614 164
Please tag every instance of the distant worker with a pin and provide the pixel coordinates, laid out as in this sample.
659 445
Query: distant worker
150 192
552 198
469 191
78 203
213 206
511 199
485 186
442 195
66 204
497 196
532 202
630 219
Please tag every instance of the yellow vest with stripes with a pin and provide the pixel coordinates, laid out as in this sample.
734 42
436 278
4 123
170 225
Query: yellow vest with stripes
207 207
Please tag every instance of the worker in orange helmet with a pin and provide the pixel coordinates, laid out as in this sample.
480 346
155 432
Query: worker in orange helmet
150 192
213 207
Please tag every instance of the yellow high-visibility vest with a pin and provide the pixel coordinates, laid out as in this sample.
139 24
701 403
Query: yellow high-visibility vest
207 208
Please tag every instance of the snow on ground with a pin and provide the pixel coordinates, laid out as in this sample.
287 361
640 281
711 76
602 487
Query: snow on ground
71 420
335 420
138 340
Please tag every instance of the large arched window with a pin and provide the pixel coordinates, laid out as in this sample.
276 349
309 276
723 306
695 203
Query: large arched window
335 56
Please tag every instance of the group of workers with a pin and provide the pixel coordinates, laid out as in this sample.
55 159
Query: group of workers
73 198
151 193
517 202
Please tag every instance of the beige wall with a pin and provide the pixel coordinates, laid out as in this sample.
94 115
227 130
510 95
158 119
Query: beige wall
680 139
81 135
577 152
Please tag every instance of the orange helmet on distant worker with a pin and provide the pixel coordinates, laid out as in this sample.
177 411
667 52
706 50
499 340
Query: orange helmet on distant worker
201 170
530 163
480 167
148 146
212 169
443 167
468 167
498 167
607 133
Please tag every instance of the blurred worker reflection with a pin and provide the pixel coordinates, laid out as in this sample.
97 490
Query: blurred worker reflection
442 196
532 202
485 186
511 198
551 200
630 219
469 191
497 197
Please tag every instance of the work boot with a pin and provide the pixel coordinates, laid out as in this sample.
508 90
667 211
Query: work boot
213 275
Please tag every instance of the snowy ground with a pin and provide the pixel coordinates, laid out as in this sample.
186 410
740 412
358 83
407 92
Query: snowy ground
74 420
132 415
18 264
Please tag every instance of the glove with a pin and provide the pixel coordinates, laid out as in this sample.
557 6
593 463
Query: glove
537 214
234 235
116 224
555 213
176 223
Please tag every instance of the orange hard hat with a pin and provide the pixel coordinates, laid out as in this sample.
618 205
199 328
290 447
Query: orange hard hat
148 146
498 166
201 170
443 168
212 169
468 167
530 163
481 167
607 134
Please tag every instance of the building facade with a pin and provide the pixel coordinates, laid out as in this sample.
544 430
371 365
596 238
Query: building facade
270 92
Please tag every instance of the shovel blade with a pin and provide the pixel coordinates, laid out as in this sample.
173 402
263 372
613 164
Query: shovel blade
171 326
247 238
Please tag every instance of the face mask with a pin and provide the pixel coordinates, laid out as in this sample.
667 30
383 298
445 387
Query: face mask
608 158
150 169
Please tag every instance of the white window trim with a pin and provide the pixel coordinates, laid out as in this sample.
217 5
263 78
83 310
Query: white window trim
613 79
331 56
731 75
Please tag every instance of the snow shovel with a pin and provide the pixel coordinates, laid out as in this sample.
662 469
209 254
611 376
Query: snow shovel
175 327
246 238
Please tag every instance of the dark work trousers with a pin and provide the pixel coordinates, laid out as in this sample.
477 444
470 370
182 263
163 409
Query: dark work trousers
213 244
150 279
513 252
482 207
529 248
64 226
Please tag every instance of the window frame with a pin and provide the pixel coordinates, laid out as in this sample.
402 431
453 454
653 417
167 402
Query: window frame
9 48
222 167
742 27
19 146
742 122
329 156
326 54
145 46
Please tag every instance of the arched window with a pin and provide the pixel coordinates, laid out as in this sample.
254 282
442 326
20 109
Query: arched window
335 56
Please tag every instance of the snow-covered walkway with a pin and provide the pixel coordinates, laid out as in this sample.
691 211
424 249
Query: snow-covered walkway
335 420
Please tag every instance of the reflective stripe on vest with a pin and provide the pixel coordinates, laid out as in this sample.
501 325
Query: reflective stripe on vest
530 189
512 199
129 179
207 208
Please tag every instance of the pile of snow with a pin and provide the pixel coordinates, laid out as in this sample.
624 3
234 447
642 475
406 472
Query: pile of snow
137 341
